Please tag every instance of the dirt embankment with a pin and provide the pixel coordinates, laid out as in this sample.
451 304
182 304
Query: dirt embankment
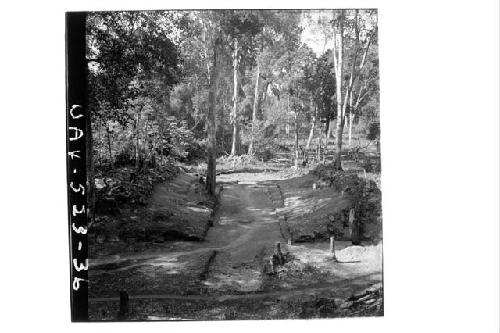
177 209
326 202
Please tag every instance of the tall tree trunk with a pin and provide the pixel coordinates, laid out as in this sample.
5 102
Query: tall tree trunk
235 148
328 126
137 133
263 99
149 157
211 124
255 107
161 125
320 139
338 62
329 130
313 124
287 127
351 118
296 141
338 146
325 149
99 158
108 132
331 126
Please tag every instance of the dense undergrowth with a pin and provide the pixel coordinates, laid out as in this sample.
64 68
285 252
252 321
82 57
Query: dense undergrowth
126 186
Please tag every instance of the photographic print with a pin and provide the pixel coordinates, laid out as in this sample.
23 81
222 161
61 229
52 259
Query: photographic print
224 164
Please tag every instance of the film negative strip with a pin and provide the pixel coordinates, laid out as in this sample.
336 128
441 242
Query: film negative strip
78 125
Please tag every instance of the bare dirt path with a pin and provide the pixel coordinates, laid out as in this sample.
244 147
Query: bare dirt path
244 223
246 228
229 259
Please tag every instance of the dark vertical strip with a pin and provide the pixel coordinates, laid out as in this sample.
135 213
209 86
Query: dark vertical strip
77 117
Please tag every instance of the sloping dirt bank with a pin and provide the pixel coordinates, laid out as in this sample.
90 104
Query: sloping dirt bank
326 202
177 210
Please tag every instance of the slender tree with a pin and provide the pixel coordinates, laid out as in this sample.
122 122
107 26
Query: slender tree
235 147
212 130
338 48
313 125
254 109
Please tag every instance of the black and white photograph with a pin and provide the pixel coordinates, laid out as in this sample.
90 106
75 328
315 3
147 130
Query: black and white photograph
285 166
233 164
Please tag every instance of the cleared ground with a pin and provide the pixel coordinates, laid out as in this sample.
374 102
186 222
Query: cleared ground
225 274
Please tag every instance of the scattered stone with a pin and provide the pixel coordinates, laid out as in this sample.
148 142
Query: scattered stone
368 302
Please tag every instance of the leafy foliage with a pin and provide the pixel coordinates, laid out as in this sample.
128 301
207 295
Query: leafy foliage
149 74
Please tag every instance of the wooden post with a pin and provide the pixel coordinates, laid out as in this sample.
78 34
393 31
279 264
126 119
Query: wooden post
354 228
271 263
279 254
124 305
332 247
278 248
